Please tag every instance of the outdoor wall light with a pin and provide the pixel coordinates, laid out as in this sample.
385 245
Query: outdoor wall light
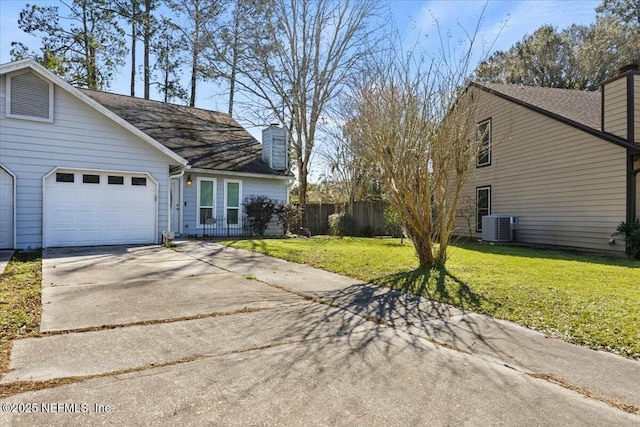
189 182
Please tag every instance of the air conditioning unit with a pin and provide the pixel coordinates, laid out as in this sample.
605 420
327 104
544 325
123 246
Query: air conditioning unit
498 228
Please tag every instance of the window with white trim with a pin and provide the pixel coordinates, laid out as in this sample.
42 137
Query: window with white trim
483 138
29 97
232 201
483 204
206 201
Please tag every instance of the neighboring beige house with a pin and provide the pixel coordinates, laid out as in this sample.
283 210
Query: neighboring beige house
566 163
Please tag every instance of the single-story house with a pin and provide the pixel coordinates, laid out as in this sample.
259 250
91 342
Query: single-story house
82 168
565 163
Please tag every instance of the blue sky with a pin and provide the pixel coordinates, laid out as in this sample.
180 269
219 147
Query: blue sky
504 22
415 19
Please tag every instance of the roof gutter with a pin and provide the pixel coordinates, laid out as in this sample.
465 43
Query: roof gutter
178 172
247 174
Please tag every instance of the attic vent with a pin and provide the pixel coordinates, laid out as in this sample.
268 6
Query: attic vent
30 97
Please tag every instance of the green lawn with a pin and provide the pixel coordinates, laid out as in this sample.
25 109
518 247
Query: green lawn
584 299
20 306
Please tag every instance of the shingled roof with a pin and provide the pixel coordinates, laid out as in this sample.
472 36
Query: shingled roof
579 106
207 139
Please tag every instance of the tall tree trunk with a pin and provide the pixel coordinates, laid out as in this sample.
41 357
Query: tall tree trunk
194 67
302 188
89 51
133 52
166 74
147 44
232 81
234 64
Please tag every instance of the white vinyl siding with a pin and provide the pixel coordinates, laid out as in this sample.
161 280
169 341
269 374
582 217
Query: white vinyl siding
80 138
276 189
29 97
206 201
615 107
567 187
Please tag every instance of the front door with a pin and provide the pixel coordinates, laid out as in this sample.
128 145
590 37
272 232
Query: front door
174 202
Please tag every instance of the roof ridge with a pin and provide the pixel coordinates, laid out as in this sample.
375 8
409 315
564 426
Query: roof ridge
584 91
137 98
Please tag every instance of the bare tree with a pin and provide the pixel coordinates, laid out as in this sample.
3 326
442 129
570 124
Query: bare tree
417 123
345 154
467 210
299 62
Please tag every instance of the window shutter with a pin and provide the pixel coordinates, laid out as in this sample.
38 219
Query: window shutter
29 96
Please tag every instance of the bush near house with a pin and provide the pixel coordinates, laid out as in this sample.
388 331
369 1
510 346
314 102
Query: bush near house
631 233
341 224
259 211
288 214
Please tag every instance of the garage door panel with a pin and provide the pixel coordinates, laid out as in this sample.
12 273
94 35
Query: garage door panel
87 214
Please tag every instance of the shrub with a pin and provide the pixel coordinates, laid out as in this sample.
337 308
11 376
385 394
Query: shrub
341 224
631 232
288 214
393 221
259 211
367 231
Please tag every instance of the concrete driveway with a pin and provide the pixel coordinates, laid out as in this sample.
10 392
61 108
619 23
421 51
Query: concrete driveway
208 335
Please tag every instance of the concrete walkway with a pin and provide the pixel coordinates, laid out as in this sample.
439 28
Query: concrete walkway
215 335
498 341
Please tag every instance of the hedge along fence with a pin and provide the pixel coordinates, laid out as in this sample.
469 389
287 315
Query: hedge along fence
367 217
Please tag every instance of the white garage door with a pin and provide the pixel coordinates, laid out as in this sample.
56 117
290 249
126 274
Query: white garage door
86 208
6 209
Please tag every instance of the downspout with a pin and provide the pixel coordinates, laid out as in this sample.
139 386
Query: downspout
634 189
632 212
290 182
179 174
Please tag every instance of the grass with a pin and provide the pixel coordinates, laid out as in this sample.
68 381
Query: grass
589 300
20 307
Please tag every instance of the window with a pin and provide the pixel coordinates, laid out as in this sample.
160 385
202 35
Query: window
206 201
483 205
232 197
64 177
138 181
483 137
29 97
115 180
90 179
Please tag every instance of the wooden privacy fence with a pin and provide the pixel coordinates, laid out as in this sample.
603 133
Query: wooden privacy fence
368 217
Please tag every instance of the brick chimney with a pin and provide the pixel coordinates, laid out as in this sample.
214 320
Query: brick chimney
274 147
621 104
